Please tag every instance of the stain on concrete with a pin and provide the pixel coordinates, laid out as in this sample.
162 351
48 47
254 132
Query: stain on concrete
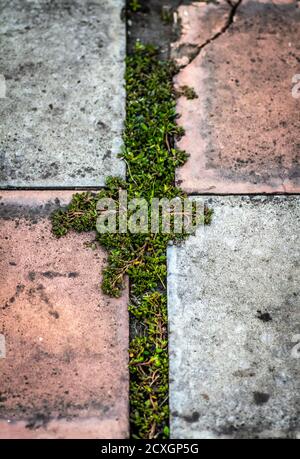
260 398
264 316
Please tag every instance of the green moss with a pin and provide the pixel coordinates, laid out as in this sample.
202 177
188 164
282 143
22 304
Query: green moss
151 160
167 14
187 92
134 5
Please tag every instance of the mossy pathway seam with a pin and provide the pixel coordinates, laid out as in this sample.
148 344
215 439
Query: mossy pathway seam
151 159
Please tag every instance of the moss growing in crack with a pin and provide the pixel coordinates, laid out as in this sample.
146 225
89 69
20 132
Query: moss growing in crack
151 160
149 368
167 14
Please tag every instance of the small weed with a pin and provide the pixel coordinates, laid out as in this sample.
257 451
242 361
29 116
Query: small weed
135 5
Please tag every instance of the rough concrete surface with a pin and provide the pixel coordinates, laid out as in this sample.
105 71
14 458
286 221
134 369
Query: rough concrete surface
62 118
65 374
242 130
234 287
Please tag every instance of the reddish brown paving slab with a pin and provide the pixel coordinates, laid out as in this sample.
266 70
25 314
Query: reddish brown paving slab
65 374
242 132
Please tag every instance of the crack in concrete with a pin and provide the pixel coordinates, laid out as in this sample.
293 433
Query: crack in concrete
193 51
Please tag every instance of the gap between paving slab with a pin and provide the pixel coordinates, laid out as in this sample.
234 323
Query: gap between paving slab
65 374
235 287
63 114
242 130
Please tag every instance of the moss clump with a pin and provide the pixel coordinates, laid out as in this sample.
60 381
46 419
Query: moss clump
167 14
187 92
151 160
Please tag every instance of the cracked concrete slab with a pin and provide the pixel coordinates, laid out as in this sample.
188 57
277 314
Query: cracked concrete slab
241 132
65 372
213 18
235 287
62 116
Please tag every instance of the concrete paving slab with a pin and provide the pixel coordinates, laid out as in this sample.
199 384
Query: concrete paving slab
235 287
242 130
65 374
62 117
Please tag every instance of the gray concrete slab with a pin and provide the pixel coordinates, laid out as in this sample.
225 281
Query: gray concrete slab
62 67
234 313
